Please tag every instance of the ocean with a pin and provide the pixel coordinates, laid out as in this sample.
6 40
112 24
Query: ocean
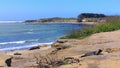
15 36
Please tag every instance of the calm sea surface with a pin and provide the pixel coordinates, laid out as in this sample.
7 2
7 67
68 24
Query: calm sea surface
15 36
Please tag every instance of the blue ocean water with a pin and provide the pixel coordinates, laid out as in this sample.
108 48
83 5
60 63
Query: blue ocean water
15 36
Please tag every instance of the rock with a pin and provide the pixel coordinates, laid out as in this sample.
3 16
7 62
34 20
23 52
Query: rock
54 51
33 48
66 45
98 52
41 46
71 60
3 59
62 40
17 53
110 50
60 46
54 45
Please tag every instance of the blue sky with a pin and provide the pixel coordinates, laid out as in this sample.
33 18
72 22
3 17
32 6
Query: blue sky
35 9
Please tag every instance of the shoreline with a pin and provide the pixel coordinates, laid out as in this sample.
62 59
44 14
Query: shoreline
28 55
75 48
82 23
27 47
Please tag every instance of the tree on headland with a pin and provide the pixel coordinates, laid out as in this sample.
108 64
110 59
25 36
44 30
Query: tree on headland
89 15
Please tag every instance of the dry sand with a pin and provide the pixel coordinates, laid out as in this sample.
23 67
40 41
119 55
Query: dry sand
79 47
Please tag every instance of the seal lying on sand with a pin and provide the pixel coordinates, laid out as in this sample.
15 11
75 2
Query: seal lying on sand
9 61
92 53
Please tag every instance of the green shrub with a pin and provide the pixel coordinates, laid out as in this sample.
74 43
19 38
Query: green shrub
105 27
65 63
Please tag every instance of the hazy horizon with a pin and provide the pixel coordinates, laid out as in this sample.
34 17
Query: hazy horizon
15 10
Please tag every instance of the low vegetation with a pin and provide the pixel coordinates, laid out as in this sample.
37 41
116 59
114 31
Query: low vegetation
110 25
53 61
48 61
55 19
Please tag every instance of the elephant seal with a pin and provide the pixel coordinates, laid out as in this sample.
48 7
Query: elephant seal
9 61
97 52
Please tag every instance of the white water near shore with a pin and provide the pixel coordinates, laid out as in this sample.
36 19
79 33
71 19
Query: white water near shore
19 42
24 47
14 36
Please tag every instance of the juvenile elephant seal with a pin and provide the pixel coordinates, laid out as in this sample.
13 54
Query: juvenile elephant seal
92 53
9 61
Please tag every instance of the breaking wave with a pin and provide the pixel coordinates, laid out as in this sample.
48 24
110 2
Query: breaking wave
23 47
19 42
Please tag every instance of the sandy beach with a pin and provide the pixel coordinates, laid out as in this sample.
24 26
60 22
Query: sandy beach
109 42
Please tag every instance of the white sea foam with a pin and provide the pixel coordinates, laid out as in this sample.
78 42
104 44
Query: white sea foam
19 42
24 47
29 32
14 42
10 21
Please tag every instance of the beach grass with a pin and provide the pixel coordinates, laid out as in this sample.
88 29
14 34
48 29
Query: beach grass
104 27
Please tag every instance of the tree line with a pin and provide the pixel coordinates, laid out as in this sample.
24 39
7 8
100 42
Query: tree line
89 15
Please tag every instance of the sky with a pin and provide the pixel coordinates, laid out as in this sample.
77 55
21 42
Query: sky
34 9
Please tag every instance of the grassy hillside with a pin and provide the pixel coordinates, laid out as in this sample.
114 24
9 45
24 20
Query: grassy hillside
113 23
